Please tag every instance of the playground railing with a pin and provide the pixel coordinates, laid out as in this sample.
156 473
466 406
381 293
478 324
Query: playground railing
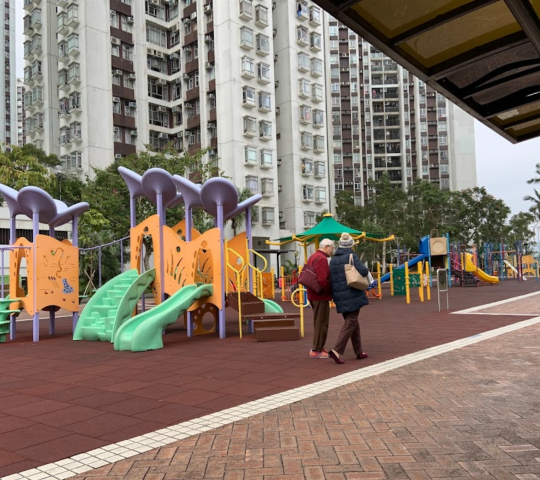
3 268
238 274
258 280
302 303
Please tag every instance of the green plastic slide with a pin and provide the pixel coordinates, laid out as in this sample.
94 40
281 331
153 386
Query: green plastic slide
112 305
272 307
144 331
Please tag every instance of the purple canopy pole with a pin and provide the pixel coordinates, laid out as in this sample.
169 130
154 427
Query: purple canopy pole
2 252
52 313
189 223
99 266
133 224
250 246
121 256
35 319
75 243
219 220
161 216
12 235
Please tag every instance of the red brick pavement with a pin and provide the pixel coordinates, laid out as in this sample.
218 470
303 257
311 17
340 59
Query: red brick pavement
59 397
470 413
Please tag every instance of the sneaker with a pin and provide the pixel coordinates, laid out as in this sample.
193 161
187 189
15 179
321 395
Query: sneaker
316 354
335 356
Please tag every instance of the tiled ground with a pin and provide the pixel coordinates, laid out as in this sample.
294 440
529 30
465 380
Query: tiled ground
468 414
59 398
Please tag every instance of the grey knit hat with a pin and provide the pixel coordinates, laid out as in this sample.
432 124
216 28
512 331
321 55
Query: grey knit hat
346 241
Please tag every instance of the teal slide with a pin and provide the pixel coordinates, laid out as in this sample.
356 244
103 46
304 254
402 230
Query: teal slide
112 305
144 331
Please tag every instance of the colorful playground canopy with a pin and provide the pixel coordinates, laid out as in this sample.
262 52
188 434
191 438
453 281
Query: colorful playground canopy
483 55
330 228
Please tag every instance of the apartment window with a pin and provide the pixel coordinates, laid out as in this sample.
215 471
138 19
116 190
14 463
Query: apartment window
334 72
246 9
320 194
355 129
336 144
265 130
444 154
266 158
353 59
442 139
250 156
250 126
315 15
445 183
158 115
334 58
356 158
129 80
443 169
315 41
248 67
354 89
130 108
303 62
425 170
423 141
320 169
318 143
307 192
318 93
115 50
441 111
252 183
263 72
263 44
115 23
265 101
176 91
268 217
304 87
75 101
318 118
422 112
72 13
333 30
334 44
307 166
127 52
423 126
73 42
267 187
442 126
302 35
309 219
338 159
306 140
75 130
305 114
261 15
246 38
248 96
334 87
156 35
127 24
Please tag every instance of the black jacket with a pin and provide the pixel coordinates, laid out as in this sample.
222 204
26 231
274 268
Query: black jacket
347 299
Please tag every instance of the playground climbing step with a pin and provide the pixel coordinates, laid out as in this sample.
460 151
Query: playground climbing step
111 305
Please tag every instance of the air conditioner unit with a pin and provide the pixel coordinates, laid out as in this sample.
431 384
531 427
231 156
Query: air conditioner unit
175 55
280 214
178 80
113 13
116 99
276 84
132 76
274 32
159 54
275 57
187 134
185 76
117 156
115 41
186 20
154 2
211 95
176 109
133 133
130 19
209 65
277 110
279 162
117 72
187 49
193 16
161 81
150 51
162 109
163 135
116 129
132 104
280 188
175 28
208 38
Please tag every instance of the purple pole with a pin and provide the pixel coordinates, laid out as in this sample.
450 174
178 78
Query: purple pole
250 246
132 212
35 319
12 235
2 253
99 265
189 223
161 216
75 243
52 319
219 221
121 256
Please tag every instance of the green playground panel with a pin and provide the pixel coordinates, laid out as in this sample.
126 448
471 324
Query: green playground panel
399 281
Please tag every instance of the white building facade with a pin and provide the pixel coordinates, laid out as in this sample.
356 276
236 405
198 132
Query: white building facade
8 79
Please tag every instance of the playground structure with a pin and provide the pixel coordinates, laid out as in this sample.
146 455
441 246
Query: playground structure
52 265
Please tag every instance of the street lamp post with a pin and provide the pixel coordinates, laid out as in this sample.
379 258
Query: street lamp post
59 178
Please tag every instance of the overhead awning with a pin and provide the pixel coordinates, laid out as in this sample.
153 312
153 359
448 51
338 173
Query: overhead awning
483 55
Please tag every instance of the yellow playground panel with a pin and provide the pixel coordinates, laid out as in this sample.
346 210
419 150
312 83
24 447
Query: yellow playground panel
530 265
56 276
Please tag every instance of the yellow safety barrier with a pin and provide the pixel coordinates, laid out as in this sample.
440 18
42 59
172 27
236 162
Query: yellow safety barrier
421 282
302 303
238 274
407 282
391 281
258 275
428 282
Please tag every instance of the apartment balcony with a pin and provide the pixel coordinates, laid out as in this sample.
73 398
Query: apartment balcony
214 142
122 92
126 37
211 56
122 64
191 66
209 27
212 86
124 149
212 115
192 149
193 122
121 7
190 38
189 10
192 94
124 121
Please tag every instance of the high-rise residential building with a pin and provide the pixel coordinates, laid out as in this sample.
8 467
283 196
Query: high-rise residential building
21 113
383 119
8 85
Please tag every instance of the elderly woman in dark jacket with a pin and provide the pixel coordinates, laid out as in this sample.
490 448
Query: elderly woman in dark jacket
348 300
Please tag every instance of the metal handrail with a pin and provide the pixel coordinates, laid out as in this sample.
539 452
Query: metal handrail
258 273
237 273
301 305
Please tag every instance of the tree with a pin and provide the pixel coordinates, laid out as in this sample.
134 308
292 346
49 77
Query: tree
535 179
238 220
535 199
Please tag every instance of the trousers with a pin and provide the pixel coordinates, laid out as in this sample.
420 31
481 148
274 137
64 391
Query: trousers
321 318
350 329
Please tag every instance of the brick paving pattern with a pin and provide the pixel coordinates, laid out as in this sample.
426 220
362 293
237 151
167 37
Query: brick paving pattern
59 398
471 413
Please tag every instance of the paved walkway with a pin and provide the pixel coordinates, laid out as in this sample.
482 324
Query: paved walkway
131 395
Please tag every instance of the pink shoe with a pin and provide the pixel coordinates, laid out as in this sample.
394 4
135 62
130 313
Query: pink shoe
360 356
335 356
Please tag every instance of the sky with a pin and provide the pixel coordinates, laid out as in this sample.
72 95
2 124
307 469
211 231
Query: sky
502 167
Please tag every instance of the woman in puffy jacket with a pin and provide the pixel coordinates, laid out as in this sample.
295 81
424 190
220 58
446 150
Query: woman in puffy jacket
348 300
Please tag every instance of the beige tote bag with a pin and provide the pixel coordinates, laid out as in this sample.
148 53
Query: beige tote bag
353 276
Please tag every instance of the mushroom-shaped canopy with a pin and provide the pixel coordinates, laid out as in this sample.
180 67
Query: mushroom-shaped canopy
248 203
219 191
10 196
69 213
133 181
158 181
191 192
35 200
